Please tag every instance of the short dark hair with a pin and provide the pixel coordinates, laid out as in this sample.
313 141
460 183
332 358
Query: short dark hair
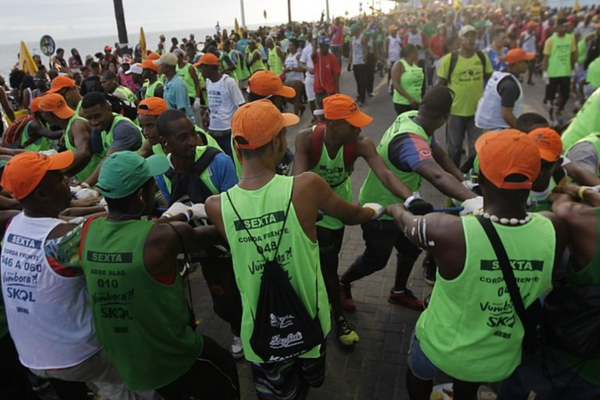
95 65
93 99
60 50
165 119
530 121
109 75
407 50
437 102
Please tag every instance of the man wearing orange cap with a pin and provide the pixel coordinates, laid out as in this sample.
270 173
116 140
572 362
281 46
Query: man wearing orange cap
528 42
154 87
265 84
66 87
287 207
224 98
340 136
502 101
471 331
49 317
76 134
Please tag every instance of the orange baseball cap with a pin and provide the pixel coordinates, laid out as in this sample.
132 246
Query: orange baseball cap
532 24
24 172
549 143
149 64
255 124
55 104
61 82
266 83
153 56
516 55
341 106
152 106
505 153
34 106
207 59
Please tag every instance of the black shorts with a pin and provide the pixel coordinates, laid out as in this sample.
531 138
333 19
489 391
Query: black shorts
561 85
286 380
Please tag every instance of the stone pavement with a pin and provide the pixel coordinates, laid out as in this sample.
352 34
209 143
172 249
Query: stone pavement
375 368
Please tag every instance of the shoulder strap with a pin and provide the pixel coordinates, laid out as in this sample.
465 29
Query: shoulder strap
507 272
482 59
204 161
84 232
316 143
453 62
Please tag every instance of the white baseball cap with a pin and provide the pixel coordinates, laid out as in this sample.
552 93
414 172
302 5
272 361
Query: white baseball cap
466 29
134 69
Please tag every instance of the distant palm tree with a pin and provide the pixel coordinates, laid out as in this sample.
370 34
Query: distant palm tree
121 26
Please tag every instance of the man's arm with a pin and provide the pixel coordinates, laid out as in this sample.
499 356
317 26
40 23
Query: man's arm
443 71
146 150
279 53
446 163
580 221
444 182
302 153
37 130
5 106
81 136
581 175
366 149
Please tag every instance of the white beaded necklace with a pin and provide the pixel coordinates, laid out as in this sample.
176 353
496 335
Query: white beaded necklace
505 221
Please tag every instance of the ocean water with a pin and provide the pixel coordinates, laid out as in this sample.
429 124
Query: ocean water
92 45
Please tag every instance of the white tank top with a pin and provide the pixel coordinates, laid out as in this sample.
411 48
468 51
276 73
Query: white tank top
417 40
358 52
292 62
49 316
489 108
394 47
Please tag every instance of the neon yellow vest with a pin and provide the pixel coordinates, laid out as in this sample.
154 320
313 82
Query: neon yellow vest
585 122
94 161
275 63
559 61
184 73
594 139
411 81
258 64
40 144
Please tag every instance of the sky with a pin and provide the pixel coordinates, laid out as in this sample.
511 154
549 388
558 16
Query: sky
28 20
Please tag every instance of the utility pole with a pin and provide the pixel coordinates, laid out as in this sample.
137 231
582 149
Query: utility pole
121 26
327 8
289 11
243 14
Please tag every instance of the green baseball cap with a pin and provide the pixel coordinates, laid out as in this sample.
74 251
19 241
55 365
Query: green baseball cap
125 172
354 27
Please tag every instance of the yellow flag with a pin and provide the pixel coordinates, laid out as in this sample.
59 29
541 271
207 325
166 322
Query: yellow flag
26 63
456 4
236 27
143 43
576 7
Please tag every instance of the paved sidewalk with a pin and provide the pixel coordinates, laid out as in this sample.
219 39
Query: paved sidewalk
376 367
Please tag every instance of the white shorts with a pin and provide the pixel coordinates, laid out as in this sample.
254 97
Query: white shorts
309 86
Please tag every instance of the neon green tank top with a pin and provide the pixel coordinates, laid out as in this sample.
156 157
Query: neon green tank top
411 81
202 83
241 68
264 215
470 321
126 93
546 206
586 121
40 144
184 73
258 64
141 323
151 89
335 174
94 161
224 65
274 61
373 190
107 137
559 61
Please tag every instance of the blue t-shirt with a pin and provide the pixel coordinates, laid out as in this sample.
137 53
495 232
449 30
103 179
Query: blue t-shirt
176 95
497 64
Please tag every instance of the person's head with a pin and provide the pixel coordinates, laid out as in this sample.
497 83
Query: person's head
413 27
269 42
67 88
148 112
97 110
60 53
180 54
449 18
95 68
324 44
177 134
37 59
410 53
245 34
530 121
252 44
509 163
174 41
531 26
561 26
109 81
434 108
550 147
41 81
267 85
162 38
258 130
52 74
74 52
343 118
135 71
442 30
209 66
38 183
149 70
468 36
190 51
54 109
499 37
517 61
15 78
293 46
167 64
112 67
126 181
107 50
355 29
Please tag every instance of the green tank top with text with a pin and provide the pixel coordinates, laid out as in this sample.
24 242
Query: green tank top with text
411 81
94 161
335 174
263 213
559 61
470 321
141 323
373 190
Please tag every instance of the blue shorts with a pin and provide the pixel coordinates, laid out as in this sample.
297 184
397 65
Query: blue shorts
418 362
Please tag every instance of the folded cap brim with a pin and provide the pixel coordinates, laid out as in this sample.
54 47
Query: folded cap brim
359 119
158 164
287 92
60 161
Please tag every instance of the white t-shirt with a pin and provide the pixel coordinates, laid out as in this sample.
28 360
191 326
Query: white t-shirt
224 98
306 58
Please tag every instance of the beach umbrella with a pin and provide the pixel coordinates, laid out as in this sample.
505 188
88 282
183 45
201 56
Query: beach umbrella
142 43
26 63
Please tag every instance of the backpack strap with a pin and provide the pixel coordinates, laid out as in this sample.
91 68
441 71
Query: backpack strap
316 143
453 61
482 59
190 183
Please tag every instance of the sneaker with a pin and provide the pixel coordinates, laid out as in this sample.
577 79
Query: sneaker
406 298
346 298
371 94
345 332
236 349
429 268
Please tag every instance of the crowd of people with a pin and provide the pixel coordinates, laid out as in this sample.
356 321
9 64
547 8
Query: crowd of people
121 172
